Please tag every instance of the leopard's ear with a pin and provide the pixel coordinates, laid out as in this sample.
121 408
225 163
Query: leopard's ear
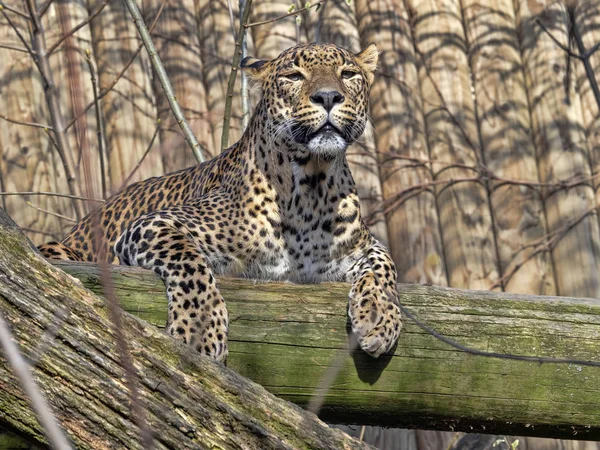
367 59
255 69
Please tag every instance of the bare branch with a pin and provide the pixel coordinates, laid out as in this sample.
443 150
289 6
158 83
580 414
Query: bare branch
63 146
293 13
99 123
27 124
122 72
79 26
17 49
16 11
137 166
164 81
244 90
45 211
235 64
557 42
52 194
31 52
44 8
20 367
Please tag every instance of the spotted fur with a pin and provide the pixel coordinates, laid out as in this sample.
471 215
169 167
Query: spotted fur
280 204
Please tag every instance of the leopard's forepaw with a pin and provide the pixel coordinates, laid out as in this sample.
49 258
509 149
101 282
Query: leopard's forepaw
377 327
210 341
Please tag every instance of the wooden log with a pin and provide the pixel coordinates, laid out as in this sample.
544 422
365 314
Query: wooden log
287 337
176 39
129 110
396 110
335 22
466 225
190 401
508 150
563 156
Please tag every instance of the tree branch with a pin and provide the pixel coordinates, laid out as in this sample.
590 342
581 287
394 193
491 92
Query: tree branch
164 81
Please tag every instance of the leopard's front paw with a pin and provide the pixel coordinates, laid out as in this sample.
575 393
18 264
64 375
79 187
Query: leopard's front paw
376 324
207 341
205 329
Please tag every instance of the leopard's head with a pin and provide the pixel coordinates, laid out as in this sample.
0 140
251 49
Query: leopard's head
316 95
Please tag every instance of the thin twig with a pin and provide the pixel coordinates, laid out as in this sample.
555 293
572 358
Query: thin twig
137 166
362 433
34 55
134 55
99 122
45 211
79 26
164 81
44 8
557 42
231 17
27 124
52 194
63 146
244 90
293 13
235 64
589 70
53 432
16 11
17 49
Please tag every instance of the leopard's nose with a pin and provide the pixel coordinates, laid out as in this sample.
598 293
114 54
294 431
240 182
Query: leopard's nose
328 99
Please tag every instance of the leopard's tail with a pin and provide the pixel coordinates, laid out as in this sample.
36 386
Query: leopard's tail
58 250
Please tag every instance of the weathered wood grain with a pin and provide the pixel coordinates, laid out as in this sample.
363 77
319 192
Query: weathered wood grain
286 336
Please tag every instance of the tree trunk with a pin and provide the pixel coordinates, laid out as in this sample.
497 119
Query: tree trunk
190 401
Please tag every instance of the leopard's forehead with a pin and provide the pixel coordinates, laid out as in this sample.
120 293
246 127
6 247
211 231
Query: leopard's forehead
314 55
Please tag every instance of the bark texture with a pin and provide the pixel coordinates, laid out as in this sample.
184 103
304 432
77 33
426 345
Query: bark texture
191 401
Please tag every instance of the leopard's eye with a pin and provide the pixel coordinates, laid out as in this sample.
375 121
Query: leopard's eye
294 76
347 74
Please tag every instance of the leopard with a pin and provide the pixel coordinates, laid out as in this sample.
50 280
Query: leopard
279 204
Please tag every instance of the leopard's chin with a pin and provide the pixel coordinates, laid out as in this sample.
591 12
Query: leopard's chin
327 144
328 141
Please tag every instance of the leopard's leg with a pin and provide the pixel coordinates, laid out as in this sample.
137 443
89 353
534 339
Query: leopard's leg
59 251
197 313
373 303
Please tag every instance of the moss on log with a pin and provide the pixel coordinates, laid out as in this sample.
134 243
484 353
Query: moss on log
191 401
286 336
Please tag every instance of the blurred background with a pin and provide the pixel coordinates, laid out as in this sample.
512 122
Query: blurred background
480 167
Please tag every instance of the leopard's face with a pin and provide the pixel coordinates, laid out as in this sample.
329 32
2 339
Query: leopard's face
316 95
